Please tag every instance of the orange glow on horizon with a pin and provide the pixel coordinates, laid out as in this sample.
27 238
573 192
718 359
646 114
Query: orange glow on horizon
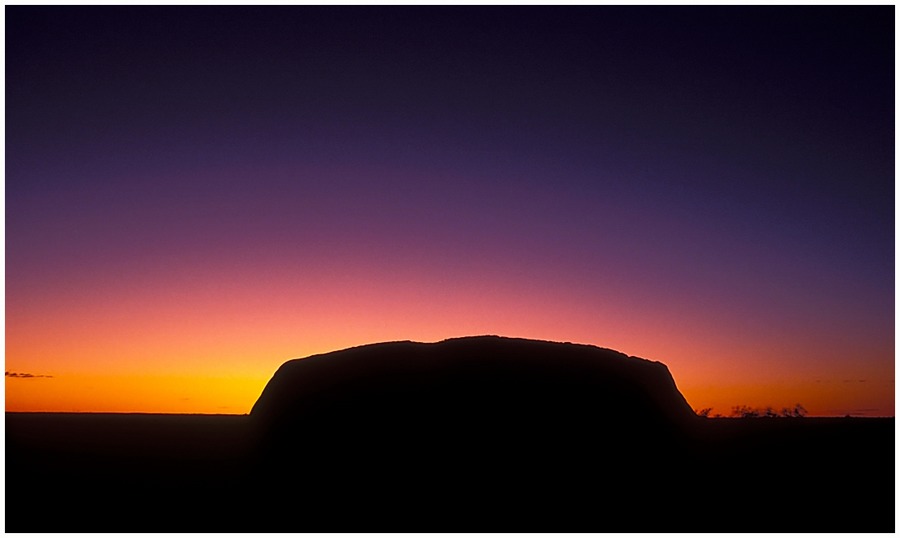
134 394
174 345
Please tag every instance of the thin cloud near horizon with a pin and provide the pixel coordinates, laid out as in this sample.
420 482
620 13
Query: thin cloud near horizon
26 375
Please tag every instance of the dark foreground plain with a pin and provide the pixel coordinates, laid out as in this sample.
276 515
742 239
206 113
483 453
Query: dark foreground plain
472 435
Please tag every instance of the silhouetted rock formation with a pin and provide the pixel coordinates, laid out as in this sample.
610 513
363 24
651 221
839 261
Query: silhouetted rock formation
527 420
474 383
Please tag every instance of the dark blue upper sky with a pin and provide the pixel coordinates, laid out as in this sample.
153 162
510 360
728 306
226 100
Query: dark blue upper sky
788 110
768 124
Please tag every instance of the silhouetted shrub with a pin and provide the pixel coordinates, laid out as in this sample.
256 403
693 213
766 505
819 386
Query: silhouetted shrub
745 411
798 411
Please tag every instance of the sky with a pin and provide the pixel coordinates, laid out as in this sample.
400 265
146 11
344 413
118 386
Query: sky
196 194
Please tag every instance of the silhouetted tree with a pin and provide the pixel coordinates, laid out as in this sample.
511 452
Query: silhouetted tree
744 411
703 412
798 411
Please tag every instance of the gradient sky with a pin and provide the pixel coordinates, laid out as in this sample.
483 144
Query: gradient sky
195 195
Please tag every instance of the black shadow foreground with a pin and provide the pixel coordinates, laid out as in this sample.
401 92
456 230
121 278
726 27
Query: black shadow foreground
477 434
